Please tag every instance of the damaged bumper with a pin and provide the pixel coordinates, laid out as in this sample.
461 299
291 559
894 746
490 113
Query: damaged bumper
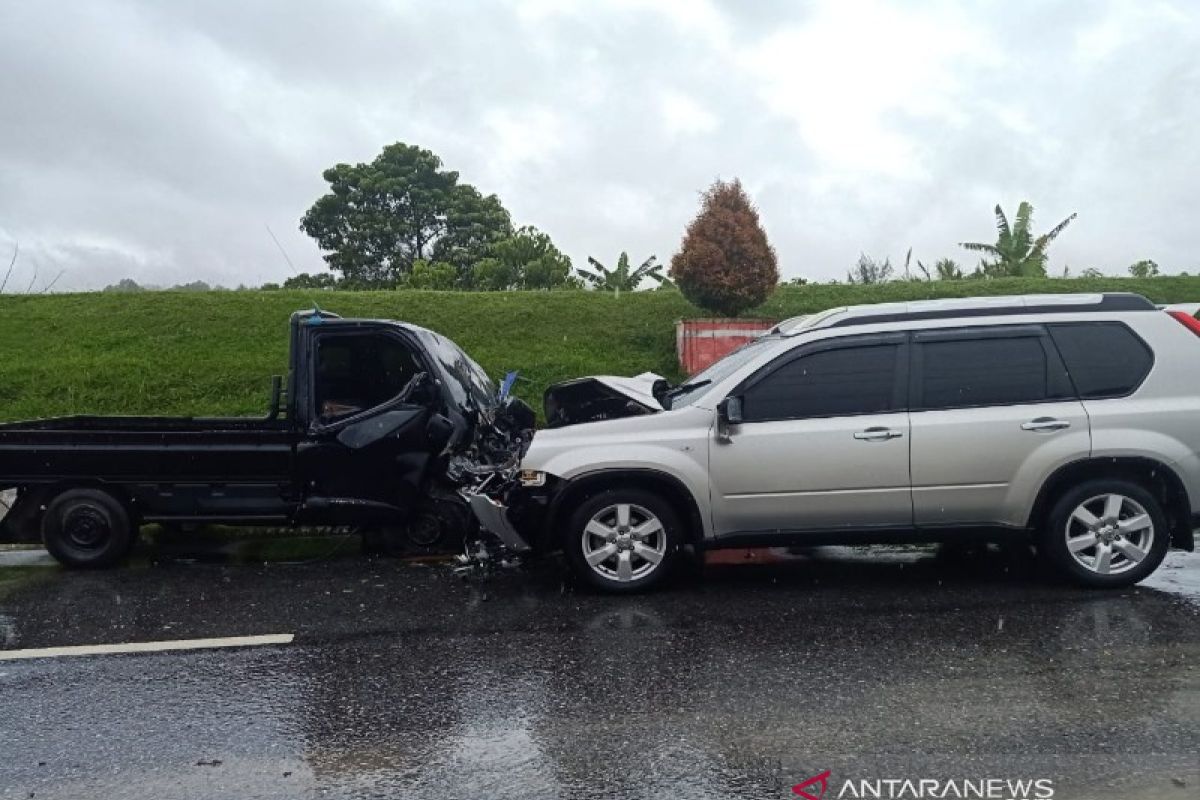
493 518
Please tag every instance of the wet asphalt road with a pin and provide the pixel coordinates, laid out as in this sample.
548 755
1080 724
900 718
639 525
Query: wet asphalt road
738 682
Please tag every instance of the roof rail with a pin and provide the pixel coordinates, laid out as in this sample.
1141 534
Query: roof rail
987 307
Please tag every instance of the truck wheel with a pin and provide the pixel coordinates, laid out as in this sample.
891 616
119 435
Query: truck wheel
623 540
87 528
1107 533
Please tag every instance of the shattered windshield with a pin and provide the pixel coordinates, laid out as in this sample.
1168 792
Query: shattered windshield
469 384
687 392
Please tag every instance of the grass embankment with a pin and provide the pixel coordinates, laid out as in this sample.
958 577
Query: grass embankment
213 353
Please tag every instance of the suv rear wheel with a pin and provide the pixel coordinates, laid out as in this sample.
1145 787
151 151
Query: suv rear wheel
1107 533
622 540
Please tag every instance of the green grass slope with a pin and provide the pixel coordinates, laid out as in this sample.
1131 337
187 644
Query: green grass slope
214 353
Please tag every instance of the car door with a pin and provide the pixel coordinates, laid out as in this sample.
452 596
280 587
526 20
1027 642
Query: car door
370 442
993 414
823 442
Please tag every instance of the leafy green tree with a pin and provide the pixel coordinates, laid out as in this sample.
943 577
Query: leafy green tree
379 218
867 270
526 260
1091 272
1144 269
306 280
432 275
124 285
1016 252
725 263
621 278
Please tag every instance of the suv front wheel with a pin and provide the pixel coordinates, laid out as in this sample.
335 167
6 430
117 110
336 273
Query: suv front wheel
1107 533
622 540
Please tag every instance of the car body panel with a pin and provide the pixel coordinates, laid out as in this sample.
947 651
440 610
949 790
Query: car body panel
978 466
792 475
970 467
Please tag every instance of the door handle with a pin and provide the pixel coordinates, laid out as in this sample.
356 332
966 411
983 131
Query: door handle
877 435
1045 424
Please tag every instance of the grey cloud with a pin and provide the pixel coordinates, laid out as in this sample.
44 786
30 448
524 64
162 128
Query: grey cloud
157 140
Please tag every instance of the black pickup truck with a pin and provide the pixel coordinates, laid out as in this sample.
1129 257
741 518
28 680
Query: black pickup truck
380 424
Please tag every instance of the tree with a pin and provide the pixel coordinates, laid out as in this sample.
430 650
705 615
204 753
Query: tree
124 285
1016 253
621 278
379 218
305 280
867 270
1144 269
725 263
432 275
1091 272
525 260
947 269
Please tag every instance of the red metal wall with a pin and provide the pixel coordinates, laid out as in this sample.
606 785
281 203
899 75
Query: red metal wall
700 342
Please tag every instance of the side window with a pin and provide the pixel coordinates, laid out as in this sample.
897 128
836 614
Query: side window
1104 359
830 383
358 371
962 373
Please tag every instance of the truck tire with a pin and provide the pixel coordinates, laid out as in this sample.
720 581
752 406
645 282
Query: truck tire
87 529
1106 533
623 540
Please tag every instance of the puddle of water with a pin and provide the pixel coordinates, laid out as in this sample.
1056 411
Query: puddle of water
1178 574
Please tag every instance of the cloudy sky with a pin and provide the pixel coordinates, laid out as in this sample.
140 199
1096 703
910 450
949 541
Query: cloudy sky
159 140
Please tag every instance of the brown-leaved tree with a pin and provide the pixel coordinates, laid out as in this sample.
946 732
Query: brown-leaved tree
725 264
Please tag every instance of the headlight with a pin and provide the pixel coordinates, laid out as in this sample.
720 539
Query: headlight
532 477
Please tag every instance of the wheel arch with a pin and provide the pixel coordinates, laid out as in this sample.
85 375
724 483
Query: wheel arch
1158 478
581 487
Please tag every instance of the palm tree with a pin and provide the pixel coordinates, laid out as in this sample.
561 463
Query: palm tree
622 278
1016 252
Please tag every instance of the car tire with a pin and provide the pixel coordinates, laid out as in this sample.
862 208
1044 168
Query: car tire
1106 533
87 529
623 540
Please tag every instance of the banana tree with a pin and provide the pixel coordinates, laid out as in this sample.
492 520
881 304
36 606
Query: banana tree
1016 252
622 278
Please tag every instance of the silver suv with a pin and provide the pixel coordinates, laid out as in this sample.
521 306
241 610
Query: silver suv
1072 419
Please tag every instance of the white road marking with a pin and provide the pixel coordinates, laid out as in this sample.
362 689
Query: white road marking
147 647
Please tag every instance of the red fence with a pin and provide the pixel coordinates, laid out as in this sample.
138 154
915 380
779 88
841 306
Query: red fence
700 342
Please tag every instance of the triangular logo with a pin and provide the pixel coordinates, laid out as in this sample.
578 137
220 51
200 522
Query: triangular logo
822 779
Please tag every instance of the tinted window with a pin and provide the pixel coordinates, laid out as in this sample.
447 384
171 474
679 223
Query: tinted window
984 372
358 371
1104 359
850 380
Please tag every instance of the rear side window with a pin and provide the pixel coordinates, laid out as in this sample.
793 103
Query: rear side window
830 383
1104 359
961 373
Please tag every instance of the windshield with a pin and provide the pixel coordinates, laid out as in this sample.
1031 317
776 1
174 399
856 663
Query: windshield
468 383
687 392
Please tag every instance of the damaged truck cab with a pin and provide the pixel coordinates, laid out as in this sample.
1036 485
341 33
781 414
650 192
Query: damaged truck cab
382 424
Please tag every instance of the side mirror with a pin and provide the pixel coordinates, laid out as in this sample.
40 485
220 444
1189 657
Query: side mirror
729 412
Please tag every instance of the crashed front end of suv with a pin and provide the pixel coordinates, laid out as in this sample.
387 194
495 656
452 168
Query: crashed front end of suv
513 505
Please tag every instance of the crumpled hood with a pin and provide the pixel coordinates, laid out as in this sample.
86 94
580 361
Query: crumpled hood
639 387
600 397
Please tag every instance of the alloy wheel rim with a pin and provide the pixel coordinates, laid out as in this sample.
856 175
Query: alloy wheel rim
624 542
1109 534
